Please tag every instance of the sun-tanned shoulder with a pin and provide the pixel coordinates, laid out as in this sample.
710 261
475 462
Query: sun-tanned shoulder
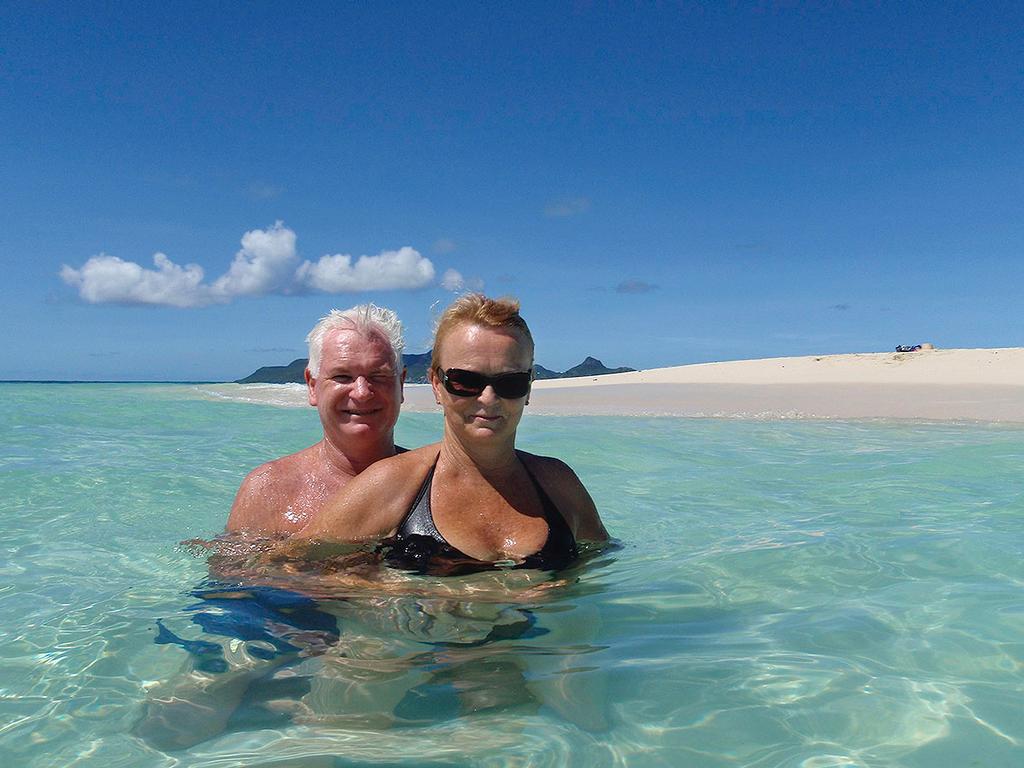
402 462
391 470
569 495
373 503
262 492
547 467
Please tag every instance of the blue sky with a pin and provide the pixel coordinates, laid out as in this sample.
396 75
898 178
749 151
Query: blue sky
658 185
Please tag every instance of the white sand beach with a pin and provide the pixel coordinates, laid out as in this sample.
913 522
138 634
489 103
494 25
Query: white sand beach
940 384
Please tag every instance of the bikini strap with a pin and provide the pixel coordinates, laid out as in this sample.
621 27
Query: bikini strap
560 548
551 512
419 519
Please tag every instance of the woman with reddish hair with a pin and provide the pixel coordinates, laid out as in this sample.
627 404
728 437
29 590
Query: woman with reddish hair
473 500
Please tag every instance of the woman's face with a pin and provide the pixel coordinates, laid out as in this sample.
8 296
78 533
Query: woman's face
489 351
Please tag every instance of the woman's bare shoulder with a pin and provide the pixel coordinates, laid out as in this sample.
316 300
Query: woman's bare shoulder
398 465
569 495
547 467
373 502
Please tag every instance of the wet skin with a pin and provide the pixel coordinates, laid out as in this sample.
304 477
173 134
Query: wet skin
357 393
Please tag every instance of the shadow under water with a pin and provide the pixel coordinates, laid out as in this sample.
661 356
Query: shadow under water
369 647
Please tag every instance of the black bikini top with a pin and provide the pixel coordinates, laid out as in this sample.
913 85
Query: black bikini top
418 546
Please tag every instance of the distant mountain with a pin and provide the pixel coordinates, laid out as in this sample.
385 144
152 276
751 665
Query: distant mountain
416 366
589 367
592 367
293 373
540 372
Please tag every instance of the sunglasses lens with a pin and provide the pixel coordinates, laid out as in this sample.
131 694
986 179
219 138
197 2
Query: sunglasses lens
512 386
463 383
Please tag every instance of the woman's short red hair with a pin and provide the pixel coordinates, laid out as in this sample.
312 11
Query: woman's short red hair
477 309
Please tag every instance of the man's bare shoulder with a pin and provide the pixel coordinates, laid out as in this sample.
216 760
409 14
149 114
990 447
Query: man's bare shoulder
280 475
267 490
283 468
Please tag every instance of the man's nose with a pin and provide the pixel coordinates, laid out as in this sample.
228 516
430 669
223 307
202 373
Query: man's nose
488 395
361 388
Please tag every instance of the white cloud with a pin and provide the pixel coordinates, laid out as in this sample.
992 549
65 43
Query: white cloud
267 263
452 280
264 264
561 209
108 279
403 269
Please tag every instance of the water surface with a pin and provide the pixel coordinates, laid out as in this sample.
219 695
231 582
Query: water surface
786 593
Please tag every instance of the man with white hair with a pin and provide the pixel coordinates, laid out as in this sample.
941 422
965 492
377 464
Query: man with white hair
354 379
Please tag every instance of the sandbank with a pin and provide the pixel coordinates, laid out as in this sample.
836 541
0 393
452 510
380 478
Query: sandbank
940 384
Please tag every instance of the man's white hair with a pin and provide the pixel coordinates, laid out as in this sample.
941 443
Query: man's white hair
366 319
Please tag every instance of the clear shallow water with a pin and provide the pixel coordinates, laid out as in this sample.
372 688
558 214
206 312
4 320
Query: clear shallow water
786 594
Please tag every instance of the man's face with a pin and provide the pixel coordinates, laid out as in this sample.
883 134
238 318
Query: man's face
358 391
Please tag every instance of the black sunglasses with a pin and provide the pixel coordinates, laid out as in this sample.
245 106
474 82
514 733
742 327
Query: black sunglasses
510 386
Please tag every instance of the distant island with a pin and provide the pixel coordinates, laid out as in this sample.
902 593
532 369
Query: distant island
416 365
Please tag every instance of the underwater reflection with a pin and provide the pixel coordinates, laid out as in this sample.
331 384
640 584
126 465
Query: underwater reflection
374 648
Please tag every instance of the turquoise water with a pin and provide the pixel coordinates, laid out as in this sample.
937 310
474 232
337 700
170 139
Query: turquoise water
786 593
